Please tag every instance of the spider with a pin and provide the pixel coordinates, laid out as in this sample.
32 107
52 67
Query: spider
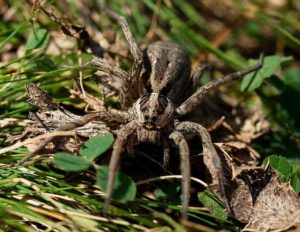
154 96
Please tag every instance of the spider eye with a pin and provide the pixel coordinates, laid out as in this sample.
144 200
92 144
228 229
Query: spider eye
146 117
153 119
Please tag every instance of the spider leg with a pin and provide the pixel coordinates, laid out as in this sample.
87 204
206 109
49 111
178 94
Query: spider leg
210 156
108 68
134 49
125 94
194 100
134 82
180 141
122 138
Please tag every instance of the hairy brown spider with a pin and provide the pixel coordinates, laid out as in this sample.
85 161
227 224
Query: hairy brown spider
154 96
157 95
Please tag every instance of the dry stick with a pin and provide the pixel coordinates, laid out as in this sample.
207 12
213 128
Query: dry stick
154 20
67 127
36 139
14 122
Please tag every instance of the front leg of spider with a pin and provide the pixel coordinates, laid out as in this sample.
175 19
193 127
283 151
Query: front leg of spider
153 120
210 156
181 143
133 82
120 142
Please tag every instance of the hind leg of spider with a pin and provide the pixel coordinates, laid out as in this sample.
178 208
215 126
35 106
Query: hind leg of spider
193 101
120 143
181 143
210 157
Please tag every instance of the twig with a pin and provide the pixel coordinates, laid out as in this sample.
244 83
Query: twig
109 116
36 139
67 127
14 122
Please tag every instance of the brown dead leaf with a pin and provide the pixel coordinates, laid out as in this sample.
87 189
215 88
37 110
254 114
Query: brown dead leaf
52 115
253 127
276 206
257 195
241 152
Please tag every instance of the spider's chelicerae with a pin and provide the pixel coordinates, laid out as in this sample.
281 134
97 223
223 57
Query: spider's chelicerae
154 96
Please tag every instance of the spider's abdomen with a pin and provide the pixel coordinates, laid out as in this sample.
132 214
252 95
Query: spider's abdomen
167 71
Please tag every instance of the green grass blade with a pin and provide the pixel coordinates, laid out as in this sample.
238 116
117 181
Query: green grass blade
18 28
281 31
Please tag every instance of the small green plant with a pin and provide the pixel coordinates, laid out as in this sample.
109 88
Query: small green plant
210 201
290 172
124 186
270 66
38 38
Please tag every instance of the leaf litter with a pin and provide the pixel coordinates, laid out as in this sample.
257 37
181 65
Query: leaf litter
257 195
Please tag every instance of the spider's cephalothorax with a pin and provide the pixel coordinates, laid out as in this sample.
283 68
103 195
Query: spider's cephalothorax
153 111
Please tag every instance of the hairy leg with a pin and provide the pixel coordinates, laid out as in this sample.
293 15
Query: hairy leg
108 68
133 88
180 141
210 156
120 143
124 93
192 102
134 49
